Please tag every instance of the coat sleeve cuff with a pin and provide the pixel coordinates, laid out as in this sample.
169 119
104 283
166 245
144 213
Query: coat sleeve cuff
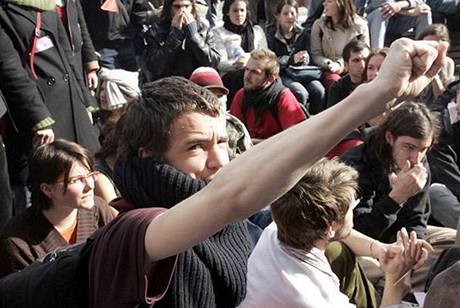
45 123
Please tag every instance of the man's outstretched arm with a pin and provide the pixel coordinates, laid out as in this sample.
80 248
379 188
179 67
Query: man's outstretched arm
270 169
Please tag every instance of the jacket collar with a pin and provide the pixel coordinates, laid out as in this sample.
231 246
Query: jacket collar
30 13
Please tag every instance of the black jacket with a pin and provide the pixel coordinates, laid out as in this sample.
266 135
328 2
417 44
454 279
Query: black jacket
108 27
80 41
59 80
25 105
377 215
172 52
284 51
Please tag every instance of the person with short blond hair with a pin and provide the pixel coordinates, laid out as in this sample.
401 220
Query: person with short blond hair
264 104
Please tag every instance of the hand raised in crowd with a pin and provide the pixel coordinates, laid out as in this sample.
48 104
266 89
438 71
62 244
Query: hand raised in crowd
301 57
178 19
43 136
92 80
410 66
408 182
388 10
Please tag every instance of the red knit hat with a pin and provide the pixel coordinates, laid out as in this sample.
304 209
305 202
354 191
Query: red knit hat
208 78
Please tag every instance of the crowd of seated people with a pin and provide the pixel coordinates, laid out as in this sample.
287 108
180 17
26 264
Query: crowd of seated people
186 172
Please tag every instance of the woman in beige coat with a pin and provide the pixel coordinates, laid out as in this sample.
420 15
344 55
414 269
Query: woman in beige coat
336 28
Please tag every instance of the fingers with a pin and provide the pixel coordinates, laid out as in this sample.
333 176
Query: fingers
440 59
425 58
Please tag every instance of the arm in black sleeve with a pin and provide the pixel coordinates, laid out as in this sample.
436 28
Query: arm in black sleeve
334 94
202 46
375 219
88 50
25 104
159 54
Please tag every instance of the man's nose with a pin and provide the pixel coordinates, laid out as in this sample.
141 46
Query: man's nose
217 158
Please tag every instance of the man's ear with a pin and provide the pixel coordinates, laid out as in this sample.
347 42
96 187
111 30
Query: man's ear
144 153
330 231
389 138
270 79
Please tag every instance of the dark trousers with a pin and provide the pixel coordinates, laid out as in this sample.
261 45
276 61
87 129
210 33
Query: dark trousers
6 200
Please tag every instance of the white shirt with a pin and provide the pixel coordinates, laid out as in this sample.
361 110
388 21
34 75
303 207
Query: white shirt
276 278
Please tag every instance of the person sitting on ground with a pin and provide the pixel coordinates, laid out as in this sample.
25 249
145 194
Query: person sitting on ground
354 56
437 32
289 268
105 158
339 25
178 44
140 246
445 166
394 179
235 39
288 42
64 209
264 105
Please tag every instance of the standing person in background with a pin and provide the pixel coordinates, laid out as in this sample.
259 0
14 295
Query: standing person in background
28 123
336 28
178 44
51 65
396 17
288 42
112 25
86 59
234 41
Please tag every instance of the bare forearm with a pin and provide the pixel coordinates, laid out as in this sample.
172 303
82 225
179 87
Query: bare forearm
249 182
361 244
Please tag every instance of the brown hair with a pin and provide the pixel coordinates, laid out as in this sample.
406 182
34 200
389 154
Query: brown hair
226 9
347 14
410 119
320 198
292 3
166 12
270 60
49 162
148 121
438 30
374 52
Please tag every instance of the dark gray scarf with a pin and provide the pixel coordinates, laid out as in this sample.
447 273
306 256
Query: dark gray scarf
211 274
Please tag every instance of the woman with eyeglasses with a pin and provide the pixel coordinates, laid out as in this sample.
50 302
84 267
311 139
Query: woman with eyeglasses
64 209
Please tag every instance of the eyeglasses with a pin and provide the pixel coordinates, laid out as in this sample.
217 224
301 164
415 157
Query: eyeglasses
89 178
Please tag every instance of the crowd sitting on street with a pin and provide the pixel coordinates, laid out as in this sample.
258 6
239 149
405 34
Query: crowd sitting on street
177 153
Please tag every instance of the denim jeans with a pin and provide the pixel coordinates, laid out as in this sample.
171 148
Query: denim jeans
119 58
398 24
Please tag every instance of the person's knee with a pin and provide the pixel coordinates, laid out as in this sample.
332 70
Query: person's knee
299 92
